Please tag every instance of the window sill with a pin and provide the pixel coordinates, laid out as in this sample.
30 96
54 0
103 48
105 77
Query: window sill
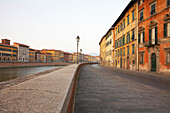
167 64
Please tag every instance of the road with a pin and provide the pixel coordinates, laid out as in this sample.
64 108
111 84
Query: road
108 90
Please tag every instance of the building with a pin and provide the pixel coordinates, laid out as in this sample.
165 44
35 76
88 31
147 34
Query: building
109 41
31 55
56 55
48 56
39 56
154 35
68 57
125 37
23 52
102 51
8 53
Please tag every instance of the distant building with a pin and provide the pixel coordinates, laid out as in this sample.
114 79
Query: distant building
68 57
56 55
23 52
8 52
31 55
48 56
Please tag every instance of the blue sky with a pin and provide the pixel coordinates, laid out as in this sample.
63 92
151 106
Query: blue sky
55 24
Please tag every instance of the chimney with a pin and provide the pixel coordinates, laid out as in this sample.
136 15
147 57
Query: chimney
6 41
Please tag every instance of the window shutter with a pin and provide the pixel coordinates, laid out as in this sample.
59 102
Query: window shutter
150 36
156 37
143 37
129 37
139 38
165 30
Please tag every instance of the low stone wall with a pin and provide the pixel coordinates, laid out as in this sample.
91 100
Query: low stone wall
27 64
50 93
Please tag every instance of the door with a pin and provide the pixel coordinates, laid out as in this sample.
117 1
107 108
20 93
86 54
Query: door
127 62
120 62
153 62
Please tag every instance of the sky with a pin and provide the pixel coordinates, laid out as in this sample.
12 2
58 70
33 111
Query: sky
55 24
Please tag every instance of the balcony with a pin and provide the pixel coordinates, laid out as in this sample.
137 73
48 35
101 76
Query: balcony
150 44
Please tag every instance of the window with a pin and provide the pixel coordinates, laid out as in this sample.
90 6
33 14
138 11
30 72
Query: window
153 8
133 15
121 26
128 20
128 38
153 36
123 40
133 35
166 30
133 48
124 51
141 15
123 23
127 50
141 58
168 2
133 61
118 28
167 51
141 37
121 52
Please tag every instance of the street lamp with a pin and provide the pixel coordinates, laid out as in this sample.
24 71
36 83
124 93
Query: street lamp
77 47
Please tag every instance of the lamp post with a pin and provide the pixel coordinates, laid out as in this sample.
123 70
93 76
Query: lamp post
77 47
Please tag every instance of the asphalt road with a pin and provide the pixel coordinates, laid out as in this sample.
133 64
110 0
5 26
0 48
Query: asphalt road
149 79
107 90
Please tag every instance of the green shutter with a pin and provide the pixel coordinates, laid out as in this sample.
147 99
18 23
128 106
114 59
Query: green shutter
165 30
156 35
129 37
139 38
150 36
143 37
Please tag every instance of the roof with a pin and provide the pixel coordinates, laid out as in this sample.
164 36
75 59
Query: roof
21 44
67 53
8 45
52 50
31 49
112 28
124 12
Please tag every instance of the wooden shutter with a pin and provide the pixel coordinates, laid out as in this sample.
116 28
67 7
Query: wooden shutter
143 37
165 30
139 38
156 36
150 36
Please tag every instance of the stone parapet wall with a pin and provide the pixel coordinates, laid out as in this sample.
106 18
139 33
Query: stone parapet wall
24 64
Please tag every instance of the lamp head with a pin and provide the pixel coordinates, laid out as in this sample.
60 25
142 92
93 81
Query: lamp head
77 38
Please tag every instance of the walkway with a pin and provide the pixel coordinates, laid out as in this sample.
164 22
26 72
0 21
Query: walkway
101 91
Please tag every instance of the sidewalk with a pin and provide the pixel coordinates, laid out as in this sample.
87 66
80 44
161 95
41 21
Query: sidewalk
43 94
154 74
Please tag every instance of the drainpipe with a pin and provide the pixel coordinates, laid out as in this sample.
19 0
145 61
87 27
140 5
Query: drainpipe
137 52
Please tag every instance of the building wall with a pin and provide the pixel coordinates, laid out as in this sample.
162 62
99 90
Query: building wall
8 53
127 61
31 55
163 43
103 51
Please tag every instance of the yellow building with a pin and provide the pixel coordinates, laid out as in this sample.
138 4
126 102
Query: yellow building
102 51
56 55
8 53
126 37
31 55
106 48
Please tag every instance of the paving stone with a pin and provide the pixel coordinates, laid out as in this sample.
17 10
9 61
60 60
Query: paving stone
100 91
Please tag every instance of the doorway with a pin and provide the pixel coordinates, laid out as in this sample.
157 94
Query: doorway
153 62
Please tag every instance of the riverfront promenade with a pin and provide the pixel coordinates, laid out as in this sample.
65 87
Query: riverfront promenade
106 90
43 94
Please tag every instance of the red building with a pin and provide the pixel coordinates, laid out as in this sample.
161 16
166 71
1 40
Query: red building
68 57
154 35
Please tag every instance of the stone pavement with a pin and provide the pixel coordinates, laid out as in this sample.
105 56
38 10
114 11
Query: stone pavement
43 94
99 91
